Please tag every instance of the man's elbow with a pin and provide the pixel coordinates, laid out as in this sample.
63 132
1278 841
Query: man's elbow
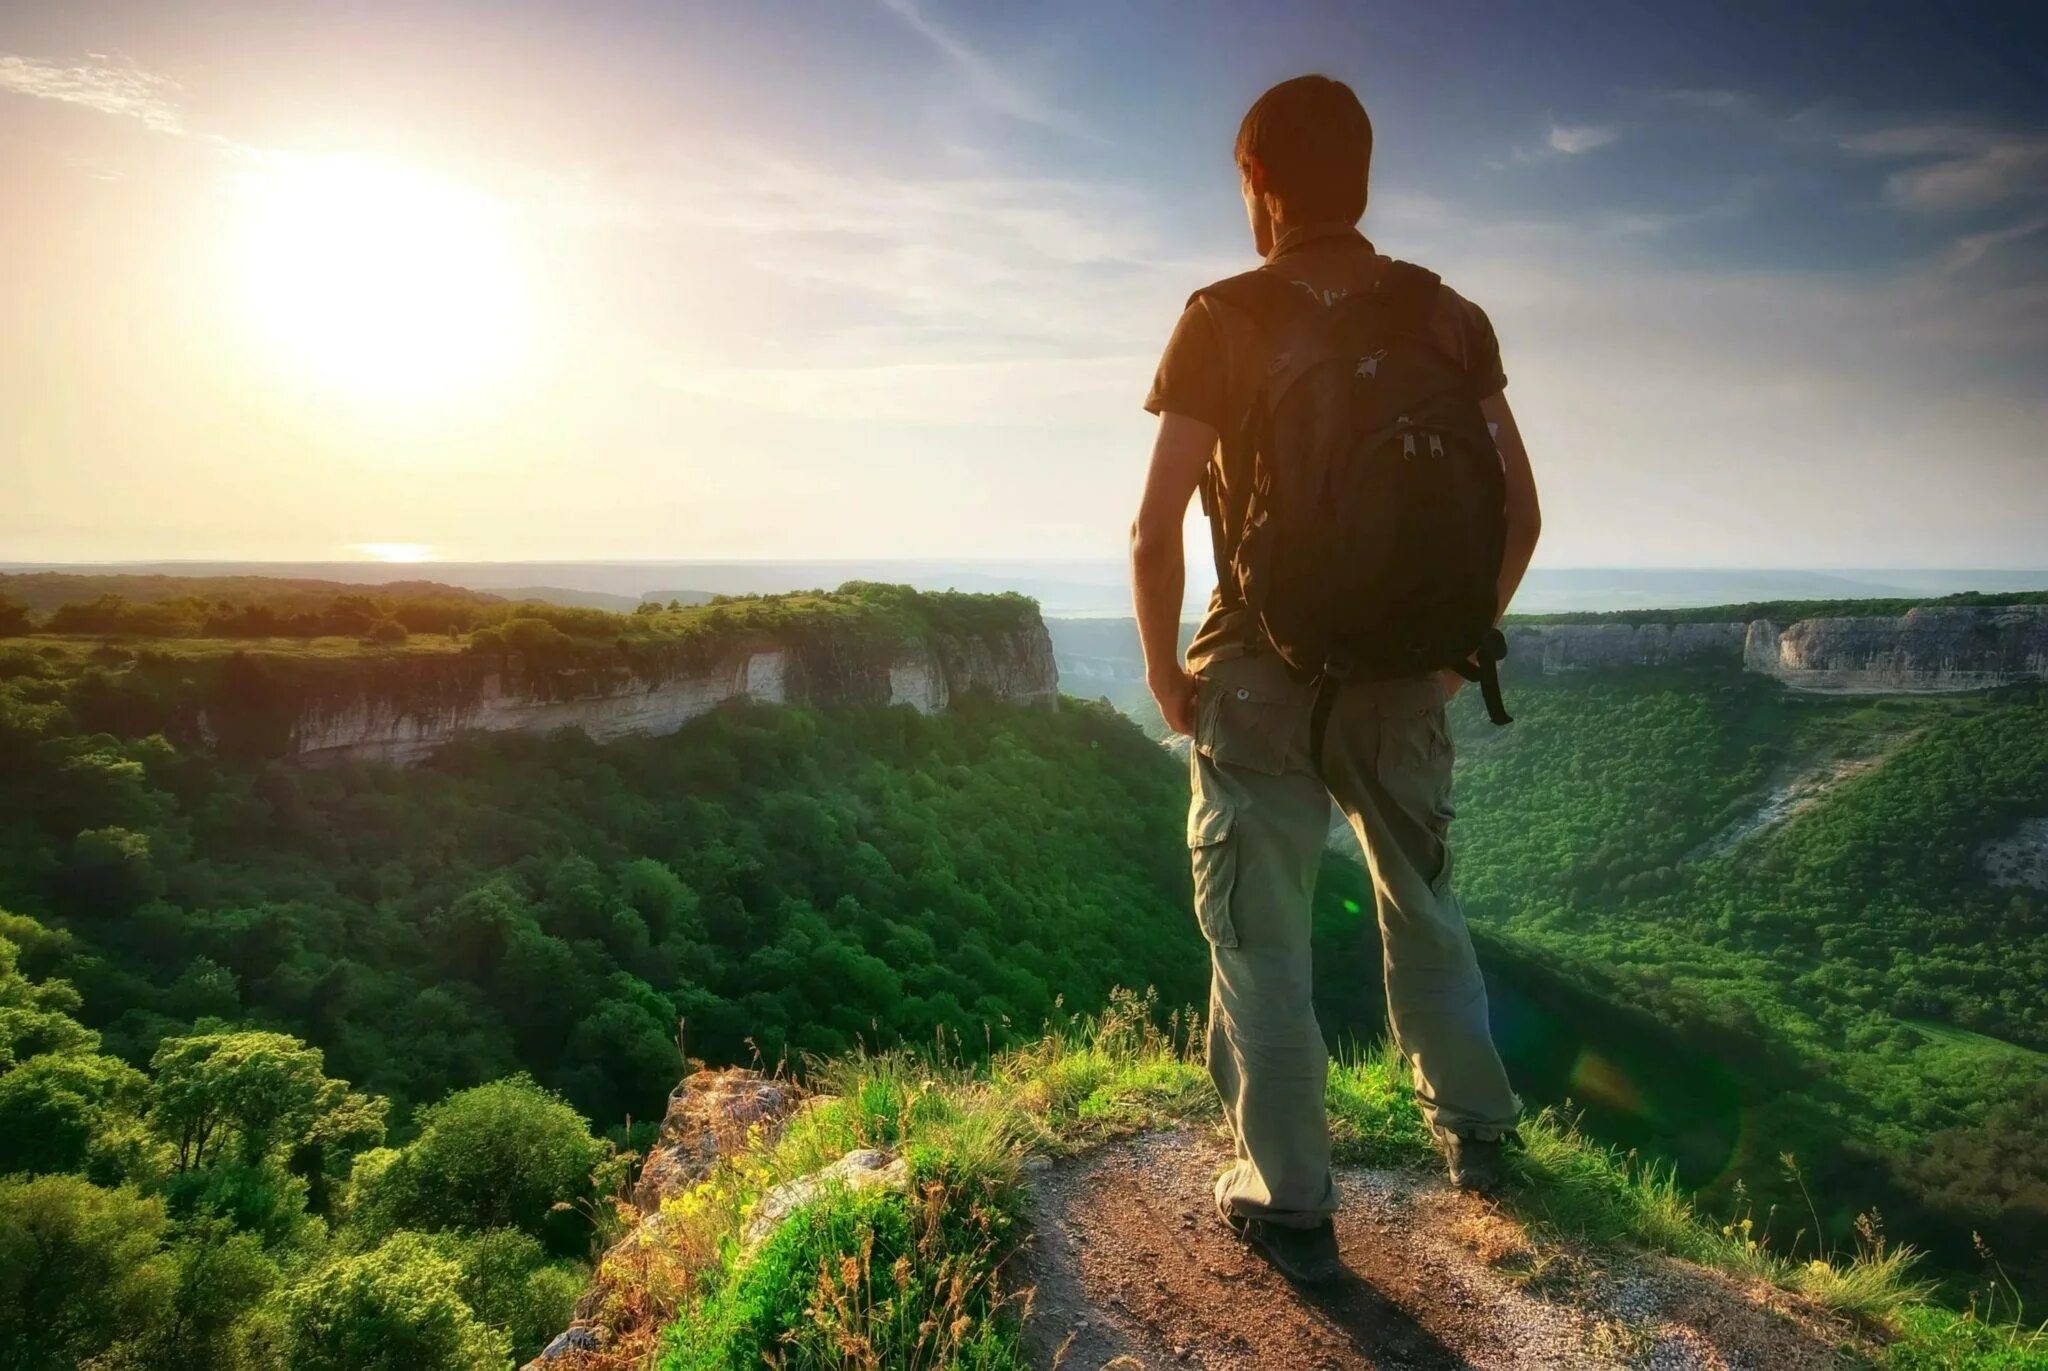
1148 545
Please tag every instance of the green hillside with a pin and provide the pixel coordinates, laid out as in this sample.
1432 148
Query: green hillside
1849 960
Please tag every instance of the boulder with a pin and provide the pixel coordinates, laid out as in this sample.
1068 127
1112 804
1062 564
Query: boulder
861 1169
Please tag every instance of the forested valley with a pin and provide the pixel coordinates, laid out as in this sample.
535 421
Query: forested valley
337 1067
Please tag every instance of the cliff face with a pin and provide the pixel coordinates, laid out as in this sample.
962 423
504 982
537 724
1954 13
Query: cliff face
1927 649
401 709
1934 648
1578 647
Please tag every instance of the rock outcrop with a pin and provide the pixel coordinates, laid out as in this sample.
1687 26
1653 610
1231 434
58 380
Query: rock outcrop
710 1115
1932 648
401 708
713 1114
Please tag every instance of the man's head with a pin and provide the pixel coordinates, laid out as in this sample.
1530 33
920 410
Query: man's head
1303 151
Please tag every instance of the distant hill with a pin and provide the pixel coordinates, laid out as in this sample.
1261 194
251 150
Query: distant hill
43 591
579 599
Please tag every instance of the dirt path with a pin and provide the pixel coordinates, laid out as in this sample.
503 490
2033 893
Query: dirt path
1131 1270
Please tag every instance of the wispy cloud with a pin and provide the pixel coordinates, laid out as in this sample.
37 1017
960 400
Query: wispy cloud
1959 166
110 85
1972 248
989 83
1573 139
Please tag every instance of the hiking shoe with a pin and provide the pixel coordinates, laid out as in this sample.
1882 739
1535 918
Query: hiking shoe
1306 1256
1478 1165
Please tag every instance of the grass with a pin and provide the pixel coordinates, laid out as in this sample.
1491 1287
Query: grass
874 1278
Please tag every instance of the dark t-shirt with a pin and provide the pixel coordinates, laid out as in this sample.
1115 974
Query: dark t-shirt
1211 364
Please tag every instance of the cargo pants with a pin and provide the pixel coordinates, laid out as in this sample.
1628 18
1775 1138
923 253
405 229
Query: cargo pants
1257 825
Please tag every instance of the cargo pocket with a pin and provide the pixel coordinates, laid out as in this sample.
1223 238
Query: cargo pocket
1214 856
1249 714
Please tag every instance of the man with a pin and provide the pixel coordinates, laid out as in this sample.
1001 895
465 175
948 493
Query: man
1276 740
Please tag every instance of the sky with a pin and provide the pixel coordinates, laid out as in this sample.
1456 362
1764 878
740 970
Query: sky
492 279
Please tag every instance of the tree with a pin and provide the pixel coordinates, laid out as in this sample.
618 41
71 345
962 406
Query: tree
81 1268
262 1090
222 1276
502 1155
394 1308
74 1111
35 1016
14 618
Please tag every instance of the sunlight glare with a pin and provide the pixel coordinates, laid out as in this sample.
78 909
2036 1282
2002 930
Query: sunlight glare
395 552
379 279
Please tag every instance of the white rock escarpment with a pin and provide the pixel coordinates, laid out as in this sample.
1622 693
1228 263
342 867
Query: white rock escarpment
1933 648
1930 649
400 708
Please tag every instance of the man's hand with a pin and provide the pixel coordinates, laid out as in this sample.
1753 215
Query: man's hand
1173 690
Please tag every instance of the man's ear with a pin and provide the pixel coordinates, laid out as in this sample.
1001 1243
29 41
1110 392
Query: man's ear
1254 174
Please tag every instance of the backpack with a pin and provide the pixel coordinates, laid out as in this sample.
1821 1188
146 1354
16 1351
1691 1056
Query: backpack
1372 542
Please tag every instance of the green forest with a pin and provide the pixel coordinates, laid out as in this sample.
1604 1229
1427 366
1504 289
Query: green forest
261 1027
1875 995
339 1066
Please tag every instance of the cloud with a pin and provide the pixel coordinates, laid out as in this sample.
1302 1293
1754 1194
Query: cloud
1972 248
892 269
990 84
1573 139
1960 166
1036 391
110 85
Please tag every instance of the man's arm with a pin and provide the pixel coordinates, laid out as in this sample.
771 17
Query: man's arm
1525 515
1158 574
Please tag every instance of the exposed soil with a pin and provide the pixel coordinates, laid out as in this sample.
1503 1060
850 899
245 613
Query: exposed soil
1797 788
1131 1269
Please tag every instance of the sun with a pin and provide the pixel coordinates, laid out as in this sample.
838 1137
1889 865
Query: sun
395 552
377 278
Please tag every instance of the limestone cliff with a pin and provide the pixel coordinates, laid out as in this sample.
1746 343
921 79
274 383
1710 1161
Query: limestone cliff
1933 648
1578 647
1927 649
400 708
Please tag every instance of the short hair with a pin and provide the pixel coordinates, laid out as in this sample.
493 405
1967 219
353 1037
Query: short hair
1315 142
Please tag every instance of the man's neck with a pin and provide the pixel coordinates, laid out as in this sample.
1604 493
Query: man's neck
1294 237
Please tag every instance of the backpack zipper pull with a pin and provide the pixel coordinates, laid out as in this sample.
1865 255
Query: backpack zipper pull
1436 446
1407 446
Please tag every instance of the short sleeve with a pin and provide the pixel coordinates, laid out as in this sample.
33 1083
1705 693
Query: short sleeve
1190 379
1473 340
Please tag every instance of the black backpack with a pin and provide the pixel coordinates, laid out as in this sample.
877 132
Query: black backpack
1372 542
